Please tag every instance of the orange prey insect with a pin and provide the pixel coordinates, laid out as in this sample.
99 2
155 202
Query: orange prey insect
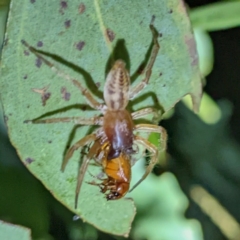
116 124
118 171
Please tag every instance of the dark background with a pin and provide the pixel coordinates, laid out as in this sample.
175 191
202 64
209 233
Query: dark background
211 158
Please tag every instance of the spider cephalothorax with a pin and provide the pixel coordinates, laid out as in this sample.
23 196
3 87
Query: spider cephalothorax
117 128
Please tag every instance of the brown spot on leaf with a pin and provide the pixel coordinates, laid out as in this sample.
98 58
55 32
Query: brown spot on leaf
26 53
81 8
170 11
65 95
63 6
67 23
80 45
32 1
110 34
160 74
44 94
29 160
50 141
39 44
25 76
160 34
45 97
38 62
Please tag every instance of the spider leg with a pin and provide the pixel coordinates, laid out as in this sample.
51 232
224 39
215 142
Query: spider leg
137 89
145 111
82 142
88 96
154 157
156 129
151 147
75 120
85 163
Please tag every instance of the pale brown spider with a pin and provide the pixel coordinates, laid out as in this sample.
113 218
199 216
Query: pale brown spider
116 123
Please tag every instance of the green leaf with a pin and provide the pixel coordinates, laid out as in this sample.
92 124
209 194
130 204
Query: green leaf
13 232
83 35
161 209
217 16
205 51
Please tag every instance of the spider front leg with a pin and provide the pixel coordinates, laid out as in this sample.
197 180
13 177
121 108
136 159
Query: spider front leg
82 142
138 88
88 96
143 112
75 120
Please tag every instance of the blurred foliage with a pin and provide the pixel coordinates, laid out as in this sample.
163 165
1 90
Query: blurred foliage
207 155
212 17
209 111
161 206
13 232
216 16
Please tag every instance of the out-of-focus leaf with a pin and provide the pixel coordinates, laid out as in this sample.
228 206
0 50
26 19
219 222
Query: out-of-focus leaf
208 155
209 111
30 209
85 34
13 232
216 16
162 203
205 51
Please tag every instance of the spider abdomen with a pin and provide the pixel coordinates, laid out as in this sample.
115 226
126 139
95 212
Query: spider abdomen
118 127
116 88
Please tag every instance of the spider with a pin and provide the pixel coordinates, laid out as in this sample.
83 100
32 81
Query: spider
116 124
